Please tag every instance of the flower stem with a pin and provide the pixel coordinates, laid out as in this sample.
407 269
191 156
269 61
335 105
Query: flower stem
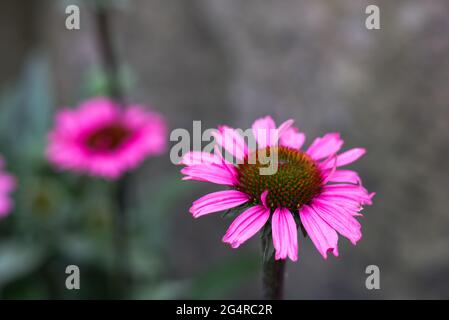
108 56
123 276
273 274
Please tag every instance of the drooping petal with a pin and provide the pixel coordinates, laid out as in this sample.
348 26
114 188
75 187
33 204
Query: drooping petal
266 133
198 157
284 127
284 233
328 173
6 205
343 222
322 235
263 198
100 138
218 201
351 191
345 176
219 174
349 156
7 183
292 138
349 204
230 140
343 208
95 112
246 225
264 130
323 147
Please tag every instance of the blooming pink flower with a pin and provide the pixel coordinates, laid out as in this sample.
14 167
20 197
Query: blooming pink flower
308 184
7 185
101 139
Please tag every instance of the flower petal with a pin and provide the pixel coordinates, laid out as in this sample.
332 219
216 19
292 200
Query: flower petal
349 156
246 225
230 140
219 174
284 232
198 157
7 183
345 176
263 198
322 235
69 147
218 201
284 127
340 220
325 146
351 191
292 138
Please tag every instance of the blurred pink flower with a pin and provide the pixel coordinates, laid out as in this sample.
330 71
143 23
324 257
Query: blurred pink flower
7 185
101 139
308 184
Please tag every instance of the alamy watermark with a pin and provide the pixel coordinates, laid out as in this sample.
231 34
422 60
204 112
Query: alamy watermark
228 145
373 280
372 22
72 21
72 282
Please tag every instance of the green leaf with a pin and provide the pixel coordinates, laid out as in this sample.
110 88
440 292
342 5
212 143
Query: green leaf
17 260
220 280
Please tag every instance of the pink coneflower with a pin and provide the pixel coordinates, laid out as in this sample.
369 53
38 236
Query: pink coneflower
7 185
101 139
308 185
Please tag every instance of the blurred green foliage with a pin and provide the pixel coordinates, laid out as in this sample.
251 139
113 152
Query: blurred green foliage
62 219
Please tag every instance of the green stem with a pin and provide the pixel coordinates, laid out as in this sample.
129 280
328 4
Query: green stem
123 276
273 274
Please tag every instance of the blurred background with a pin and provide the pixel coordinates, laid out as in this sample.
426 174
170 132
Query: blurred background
228 62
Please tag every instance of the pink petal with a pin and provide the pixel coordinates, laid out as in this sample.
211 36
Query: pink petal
328 173
323 147
218 201
350 156
264 130
351 191
198 157
246 225
340 220
229 139
292 138
67 147
345 176
5 206
263 198
284 233
219 174
322 235
284 127
344 202
7 183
